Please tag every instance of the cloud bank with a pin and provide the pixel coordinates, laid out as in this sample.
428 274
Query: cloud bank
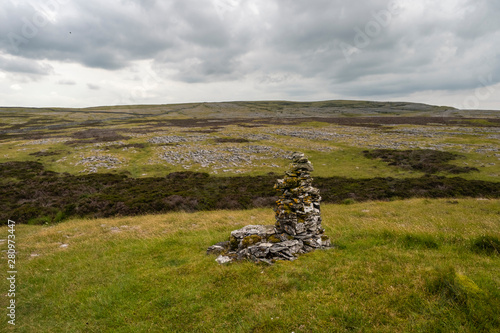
126 51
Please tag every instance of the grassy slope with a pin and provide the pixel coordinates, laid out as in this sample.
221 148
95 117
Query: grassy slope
151 274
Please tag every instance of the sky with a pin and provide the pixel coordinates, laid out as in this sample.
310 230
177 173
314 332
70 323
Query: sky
81 53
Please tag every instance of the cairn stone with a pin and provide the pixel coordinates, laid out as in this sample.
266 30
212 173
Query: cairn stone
297 228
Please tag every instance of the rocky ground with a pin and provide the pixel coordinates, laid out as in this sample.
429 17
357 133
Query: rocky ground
237 145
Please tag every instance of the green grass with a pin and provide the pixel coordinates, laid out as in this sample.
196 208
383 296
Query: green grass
402 266
351 162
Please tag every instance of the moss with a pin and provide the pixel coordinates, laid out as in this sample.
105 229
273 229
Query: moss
233 243
273 239
250 240
454 286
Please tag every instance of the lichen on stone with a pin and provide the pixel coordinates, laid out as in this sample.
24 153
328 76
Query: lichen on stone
298 221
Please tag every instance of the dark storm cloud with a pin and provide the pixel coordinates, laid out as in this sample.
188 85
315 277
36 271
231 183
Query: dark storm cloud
357 48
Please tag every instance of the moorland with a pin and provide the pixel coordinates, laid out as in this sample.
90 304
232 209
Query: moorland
115 207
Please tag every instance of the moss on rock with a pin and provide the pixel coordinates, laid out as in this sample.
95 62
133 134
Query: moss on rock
273 239
233 243
250 240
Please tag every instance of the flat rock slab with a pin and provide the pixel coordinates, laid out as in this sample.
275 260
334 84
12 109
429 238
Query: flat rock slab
262 231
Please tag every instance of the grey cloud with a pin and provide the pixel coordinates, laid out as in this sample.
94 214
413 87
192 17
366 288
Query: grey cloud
25 66
103 35
410 57
225 40
479 18
66 82
209 46
200 24
92 86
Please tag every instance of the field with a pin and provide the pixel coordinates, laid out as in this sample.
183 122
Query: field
116 206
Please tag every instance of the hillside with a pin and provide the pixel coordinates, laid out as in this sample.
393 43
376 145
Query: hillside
401 266
60 163
114 208
53 118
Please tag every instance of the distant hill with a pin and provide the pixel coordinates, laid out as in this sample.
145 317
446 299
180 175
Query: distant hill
257 109
20 119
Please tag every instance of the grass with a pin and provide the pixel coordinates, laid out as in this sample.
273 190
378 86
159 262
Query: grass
401 266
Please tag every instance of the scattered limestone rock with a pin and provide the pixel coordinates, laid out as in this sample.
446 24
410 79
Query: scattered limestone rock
218 156
98 161
168 139
298 223
218 248
223 259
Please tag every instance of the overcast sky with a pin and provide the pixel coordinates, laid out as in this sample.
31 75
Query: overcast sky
78 53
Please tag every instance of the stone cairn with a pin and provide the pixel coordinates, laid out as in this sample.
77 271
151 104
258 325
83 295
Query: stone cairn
298 223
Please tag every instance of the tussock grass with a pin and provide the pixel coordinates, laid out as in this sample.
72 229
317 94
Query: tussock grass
401 266
487 244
